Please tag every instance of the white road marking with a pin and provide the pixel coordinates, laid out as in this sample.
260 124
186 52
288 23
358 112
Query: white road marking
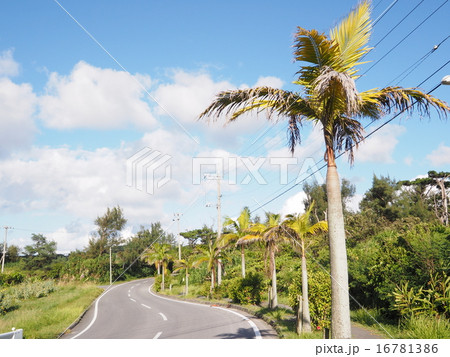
132 300
250 322
148 307
163 316
96 309
157 335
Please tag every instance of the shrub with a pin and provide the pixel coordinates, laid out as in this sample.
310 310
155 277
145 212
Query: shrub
247 290
11 279
426 327
319 294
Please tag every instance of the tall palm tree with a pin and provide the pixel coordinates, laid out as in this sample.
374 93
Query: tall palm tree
302 230
240 227
329 97
271 233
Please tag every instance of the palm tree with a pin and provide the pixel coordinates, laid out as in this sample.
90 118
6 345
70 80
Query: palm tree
271 234
211 253
187 264
160 256
329 97
240 227
302 229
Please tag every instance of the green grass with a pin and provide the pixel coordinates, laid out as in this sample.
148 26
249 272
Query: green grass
49 316
418 327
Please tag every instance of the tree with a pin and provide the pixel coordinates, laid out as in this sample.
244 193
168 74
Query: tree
187 264
41 253
271 233
318 194
440 181
108 232
303 229
211 253
381 197
203 235
159 255
240 227
329 97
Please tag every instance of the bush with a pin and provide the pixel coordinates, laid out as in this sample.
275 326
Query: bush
7 303
247 290
11 279
319 284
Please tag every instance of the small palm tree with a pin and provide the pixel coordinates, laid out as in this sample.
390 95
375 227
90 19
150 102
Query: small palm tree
187 264
159 255
211 254
301 230
329 97
240 227
271 233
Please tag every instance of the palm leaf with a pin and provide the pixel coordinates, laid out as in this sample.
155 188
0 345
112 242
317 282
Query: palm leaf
352 36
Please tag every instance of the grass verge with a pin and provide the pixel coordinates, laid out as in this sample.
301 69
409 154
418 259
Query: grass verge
49 316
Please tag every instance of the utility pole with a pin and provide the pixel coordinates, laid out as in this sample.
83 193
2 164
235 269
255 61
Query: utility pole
4 246
219 221
177 218
110 266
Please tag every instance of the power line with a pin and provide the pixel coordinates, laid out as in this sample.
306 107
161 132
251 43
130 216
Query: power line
405 37
416 64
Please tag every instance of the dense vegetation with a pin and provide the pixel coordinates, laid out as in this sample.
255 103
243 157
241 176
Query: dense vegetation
398 248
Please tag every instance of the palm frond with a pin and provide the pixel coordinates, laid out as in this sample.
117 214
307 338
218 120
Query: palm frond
235 103
352 36
405 99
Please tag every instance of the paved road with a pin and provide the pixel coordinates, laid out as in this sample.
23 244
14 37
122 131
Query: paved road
131 310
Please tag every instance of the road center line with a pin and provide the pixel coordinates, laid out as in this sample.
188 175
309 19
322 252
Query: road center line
132 300
148 307
163 316
157 335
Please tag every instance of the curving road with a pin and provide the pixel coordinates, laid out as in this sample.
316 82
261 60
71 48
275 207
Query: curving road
132 310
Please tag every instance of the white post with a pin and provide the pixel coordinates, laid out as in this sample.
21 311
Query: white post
177 218
110 266
4 247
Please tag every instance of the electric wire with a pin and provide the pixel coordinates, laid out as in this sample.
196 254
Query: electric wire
404 38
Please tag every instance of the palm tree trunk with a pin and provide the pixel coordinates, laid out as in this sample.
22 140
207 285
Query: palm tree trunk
242 261
213 278
306 318
219 272
162 281
340 304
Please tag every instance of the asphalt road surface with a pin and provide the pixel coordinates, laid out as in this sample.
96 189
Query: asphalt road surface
132 310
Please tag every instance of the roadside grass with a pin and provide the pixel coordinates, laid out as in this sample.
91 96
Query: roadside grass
47 317
417 327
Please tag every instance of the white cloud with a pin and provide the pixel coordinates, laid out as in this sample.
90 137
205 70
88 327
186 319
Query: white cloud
294 204
95 98
269 81
353 203
17 106
440 156
380 146
187 95
8 67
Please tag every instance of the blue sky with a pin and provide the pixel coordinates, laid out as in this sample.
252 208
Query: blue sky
72 114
